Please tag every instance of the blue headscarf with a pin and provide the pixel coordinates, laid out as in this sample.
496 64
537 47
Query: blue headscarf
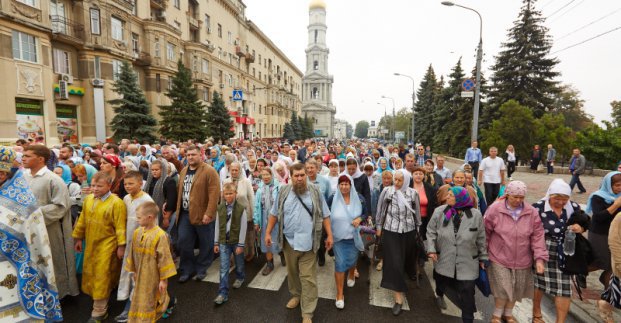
605 191
90 172
218 161
338 209
66 176
379 167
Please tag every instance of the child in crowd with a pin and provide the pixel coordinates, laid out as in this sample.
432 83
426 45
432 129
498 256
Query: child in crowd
134 198
102 225
230 234
150 261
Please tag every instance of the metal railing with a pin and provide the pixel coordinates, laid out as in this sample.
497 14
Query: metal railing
62 25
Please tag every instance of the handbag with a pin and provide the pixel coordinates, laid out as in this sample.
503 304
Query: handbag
482 283
358 240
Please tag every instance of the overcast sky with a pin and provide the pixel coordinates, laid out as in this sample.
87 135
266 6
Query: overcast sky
370 40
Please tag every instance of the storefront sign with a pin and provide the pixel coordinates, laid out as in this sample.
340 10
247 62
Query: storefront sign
67 123
30 122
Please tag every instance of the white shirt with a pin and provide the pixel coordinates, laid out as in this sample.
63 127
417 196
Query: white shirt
491 168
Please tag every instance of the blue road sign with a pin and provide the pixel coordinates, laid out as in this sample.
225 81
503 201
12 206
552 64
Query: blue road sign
238 95
467 84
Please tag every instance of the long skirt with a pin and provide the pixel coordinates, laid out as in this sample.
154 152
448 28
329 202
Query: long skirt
510 284
553 281
399 257
274 249
345 255
601 251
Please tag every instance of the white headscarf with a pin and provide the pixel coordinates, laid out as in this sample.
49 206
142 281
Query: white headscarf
558 186
406 184
358 172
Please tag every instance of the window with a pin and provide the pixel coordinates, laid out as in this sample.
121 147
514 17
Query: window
315 93
177 24
206 94
230 38
230 77
170 51
177 4
205 66
220 30
31 3
24 46
158 83
315 36
230 58
135 43
95 22
97 67
157 48
259 59
116 69
219 52
170 83
208 23
315 65
116 28
62 61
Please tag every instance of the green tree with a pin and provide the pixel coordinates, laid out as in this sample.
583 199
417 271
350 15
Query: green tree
362 129
132 119
601 145
289 134
523 70
616 112
218 120
516 126
427 98
453 116
295 125
555 132
185 118
349 130
569 104
309 127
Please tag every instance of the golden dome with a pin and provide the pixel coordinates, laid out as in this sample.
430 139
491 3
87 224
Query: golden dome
317 4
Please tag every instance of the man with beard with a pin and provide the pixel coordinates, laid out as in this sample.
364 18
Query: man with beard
304 209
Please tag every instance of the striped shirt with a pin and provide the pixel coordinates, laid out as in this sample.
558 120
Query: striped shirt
394 216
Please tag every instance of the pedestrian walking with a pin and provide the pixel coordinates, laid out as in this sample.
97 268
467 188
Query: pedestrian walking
245 195
577 165
491 175
535 158
511 159
305 211
474 157
515 238
266 195
550 158
612 295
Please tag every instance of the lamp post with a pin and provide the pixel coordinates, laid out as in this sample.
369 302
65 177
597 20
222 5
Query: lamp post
477 91
383 134
413 103
393 117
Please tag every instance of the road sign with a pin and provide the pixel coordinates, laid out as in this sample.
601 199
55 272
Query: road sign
399 134
238 95
467 94
467 84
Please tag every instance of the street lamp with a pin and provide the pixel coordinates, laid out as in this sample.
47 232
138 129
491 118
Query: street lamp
413 103
477 91
394 134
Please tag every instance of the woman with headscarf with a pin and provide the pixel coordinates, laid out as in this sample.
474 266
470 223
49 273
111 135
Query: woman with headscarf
346 214
245 196
75 191
515 238
459 179
215 159
397 223
266 193
163 189
146 154
456 245
383 165
281 172
604 204
558 214
111 165
612 295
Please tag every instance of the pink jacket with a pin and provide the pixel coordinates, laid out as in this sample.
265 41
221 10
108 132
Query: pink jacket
514 244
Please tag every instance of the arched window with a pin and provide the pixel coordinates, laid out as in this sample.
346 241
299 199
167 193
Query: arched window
315 93
315 65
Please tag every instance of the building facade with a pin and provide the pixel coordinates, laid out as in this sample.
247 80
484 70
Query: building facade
60 59
317 83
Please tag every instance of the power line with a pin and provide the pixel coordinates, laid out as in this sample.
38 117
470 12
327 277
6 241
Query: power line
589 24
547 4
567 11
561 8
586 40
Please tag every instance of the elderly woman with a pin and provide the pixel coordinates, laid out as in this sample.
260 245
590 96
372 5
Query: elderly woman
456 244
557 213
245 196
459 179
346 213
163 189
266 193
397 223
281 172
514 238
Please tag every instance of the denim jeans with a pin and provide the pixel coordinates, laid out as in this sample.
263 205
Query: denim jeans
188 234
225 255
575 179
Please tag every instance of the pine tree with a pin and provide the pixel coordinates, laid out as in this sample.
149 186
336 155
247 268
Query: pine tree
426 95
303 128
309 127
219 120
185 118
132 119
454 116
295 125
288 133
523 70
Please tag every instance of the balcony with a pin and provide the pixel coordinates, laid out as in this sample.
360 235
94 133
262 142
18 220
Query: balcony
143 59
159 4
239 51
194 23
67 30
127 4
249 58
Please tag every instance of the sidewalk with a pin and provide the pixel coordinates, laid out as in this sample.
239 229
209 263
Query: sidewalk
586 310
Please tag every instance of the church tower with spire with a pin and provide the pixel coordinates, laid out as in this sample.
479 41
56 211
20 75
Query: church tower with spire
317 83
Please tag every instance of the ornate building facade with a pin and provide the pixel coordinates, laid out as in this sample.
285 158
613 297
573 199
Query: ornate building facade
60 59
317 83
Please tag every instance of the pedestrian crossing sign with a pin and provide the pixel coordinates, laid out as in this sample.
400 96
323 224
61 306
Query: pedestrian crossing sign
238 95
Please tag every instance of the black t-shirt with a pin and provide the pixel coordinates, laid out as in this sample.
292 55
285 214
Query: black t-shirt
187 186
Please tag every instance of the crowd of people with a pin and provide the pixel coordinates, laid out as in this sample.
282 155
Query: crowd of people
127 217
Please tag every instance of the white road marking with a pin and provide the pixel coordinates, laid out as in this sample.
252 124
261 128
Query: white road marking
273 281
451 308
379 296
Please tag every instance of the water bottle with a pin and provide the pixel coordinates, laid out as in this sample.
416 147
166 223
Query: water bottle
569 245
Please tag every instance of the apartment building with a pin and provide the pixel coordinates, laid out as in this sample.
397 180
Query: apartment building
59 60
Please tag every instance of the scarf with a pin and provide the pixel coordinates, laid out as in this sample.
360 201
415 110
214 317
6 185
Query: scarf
379 167
158 190
338 206
462 202
358 172
66 176
266 193
281 179
605 192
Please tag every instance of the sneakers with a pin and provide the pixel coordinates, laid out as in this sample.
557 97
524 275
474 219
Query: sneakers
269 267
293 302
340 303
97 319
440 302
351 282
221 299
123 317
396 309
238 283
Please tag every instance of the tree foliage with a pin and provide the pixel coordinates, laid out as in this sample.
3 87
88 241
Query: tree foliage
349 130
568 103
362 129
218 120
616 112
185 118
132 119
601 145
427 95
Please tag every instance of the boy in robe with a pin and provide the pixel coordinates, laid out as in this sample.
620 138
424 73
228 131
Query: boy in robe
150 261
102 225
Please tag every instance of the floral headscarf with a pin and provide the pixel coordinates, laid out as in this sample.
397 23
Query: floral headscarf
462 202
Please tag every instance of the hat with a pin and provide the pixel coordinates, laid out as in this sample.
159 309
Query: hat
7 156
